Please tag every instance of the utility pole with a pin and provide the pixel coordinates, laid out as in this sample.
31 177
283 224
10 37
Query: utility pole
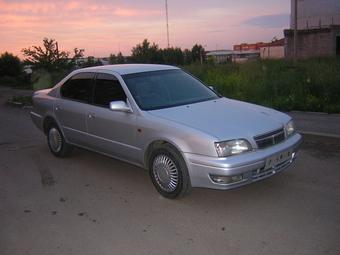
201 53
295 28
167 22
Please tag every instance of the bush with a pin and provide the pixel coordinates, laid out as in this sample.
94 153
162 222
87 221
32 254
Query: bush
22 100
21 82
11 72
308 85
9 81
42 79
10 65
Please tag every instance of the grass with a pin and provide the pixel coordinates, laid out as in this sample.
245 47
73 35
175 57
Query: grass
21 100
308 85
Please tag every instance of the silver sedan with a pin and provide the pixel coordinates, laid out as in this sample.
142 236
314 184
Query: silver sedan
163 119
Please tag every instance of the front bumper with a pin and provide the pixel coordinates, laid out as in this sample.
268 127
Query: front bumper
251 165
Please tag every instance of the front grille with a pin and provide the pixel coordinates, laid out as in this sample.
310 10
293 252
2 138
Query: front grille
269 139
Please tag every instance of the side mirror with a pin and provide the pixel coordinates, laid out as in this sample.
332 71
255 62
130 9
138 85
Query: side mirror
120 106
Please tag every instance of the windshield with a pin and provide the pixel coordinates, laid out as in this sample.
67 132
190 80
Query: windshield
168 88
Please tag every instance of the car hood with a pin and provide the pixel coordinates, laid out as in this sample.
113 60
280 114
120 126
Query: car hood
225 119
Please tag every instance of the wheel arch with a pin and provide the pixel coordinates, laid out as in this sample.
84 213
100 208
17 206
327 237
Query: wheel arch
154 145
48 120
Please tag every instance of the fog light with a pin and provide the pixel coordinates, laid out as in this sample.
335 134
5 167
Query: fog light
226 179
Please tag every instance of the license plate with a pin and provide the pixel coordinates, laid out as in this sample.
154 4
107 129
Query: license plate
278 159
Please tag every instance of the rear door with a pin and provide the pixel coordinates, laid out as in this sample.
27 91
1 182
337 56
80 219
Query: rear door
70 108
110 131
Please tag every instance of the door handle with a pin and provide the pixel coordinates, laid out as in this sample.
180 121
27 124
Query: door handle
57 107
91 116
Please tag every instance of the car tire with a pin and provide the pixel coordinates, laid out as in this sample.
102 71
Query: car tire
56 142
168 172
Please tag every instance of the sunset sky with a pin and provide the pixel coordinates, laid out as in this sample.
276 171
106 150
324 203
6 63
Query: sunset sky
102 27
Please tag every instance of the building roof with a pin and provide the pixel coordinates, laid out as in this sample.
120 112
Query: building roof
280 42
232 52
220 52
129 68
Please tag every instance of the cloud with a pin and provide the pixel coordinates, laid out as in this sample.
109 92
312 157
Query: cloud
76 8
268 21
87 24
128 12
106 26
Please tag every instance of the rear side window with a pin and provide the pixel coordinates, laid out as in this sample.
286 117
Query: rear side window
107 89
78 87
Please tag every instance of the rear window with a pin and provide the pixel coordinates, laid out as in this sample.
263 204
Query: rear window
78 87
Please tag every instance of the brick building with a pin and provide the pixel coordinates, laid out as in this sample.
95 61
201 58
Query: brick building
318 24
316 42
249 46
270 50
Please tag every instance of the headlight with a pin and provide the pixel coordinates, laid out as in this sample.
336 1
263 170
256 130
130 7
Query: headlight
232 147
290 128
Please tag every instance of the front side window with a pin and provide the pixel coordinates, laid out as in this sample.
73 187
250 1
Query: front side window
107 89
78 87
169 88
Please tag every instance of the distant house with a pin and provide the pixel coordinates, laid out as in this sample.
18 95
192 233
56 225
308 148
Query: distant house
246 51
237 56
318 29
249 51
81 62
240 56
104 61
28 69
221 56
273 50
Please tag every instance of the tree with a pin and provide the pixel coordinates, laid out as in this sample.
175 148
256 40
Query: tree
91 61
120 58
49 56
10 65
198 53
112 59
187 57
151 53
144 53
172 56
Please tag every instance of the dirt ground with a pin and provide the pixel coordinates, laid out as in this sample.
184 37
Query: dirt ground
91 204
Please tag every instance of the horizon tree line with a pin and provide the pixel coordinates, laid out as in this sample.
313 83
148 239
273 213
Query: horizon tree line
52 63
51 58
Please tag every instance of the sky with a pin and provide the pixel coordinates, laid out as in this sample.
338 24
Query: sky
102 27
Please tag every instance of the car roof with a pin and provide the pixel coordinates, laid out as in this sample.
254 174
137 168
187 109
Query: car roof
128 68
